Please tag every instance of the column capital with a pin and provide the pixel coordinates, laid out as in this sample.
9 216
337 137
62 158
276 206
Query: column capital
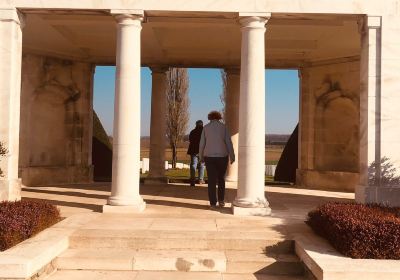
128 17
254 20
159 69
12 15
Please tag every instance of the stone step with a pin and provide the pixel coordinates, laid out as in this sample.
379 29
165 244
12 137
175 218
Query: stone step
197 240
261 263
125 260
231 261
159 275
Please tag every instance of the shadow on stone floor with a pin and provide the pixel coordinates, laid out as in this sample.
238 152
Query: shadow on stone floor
68 193
89 206
162 195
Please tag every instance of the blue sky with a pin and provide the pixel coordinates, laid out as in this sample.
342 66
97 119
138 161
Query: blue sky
282 97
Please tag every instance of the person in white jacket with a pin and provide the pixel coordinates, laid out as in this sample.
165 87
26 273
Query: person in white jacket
215 149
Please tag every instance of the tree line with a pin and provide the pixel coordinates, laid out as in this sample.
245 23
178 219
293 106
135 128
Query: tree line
178 106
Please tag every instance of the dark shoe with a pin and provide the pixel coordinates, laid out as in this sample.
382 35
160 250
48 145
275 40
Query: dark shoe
192 184
221 204
213 207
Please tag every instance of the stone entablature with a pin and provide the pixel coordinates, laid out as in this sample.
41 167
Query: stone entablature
196 7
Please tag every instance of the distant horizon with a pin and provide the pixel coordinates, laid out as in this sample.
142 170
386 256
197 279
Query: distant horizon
282 98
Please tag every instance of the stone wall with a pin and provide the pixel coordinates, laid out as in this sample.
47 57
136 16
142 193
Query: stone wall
329 126
56 121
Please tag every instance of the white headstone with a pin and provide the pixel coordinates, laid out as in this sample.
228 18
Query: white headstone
270 170
145 166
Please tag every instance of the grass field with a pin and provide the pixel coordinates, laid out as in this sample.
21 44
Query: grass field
272 154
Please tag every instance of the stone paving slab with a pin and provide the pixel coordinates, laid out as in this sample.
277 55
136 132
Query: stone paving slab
240 276
100 259
125 259
326 263
119 222
93 275
168 239
259 262
183 224
163 275
160 275
180 260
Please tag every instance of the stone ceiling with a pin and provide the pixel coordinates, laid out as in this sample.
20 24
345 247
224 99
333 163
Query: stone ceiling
192 40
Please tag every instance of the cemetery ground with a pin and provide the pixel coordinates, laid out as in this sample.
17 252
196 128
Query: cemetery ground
272 153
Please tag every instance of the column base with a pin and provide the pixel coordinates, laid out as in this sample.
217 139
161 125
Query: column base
156 181
256 211
256 207
10 190
231 179
124 209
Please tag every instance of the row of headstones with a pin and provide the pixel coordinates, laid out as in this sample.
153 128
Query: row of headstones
144 166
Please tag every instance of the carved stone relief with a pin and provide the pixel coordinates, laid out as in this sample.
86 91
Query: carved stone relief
54 117
336 128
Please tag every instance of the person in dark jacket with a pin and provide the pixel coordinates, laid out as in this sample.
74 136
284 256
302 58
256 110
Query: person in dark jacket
193 151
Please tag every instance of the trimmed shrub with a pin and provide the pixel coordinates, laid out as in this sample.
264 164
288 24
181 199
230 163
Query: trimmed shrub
21 220
359 231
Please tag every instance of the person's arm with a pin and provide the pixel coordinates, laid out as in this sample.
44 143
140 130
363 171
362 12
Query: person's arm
229 145
202 146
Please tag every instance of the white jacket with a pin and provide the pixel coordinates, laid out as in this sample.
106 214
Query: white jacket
216 141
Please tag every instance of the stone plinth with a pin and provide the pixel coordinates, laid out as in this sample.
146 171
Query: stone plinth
327 180
137 208
256 211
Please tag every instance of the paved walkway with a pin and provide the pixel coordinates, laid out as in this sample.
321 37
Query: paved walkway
180 200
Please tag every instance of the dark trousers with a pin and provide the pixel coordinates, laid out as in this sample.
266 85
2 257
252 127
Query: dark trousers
216 169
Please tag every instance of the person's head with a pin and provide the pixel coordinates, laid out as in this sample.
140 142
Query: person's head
199 123
214 115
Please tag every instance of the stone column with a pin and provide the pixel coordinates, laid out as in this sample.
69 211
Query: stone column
370 107
232 117
158 126
11 23
250 199
126 142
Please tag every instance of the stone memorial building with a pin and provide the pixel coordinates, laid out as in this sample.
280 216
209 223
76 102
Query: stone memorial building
347 53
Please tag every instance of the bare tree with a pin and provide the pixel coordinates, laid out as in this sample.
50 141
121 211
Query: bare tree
222 97
178 108
3 151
